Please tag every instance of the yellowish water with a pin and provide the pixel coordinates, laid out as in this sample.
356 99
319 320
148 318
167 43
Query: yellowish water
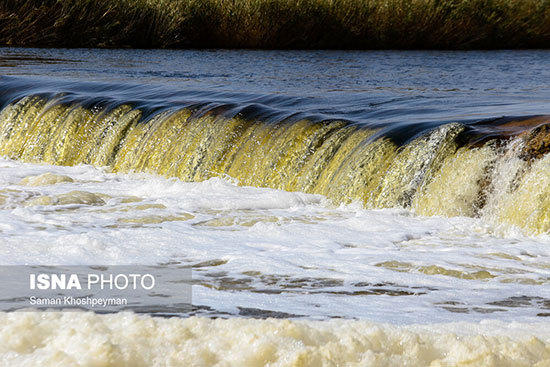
433 174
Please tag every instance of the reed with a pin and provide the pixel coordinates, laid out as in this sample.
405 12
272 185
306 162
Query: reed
281 24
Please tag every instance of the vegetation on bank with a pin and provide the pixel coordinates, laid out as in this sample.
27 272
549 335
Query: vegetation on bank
358 24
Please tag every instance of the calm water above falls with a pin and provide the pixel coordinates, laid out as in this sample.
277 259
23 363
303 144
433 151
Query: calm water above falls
367 87
376 185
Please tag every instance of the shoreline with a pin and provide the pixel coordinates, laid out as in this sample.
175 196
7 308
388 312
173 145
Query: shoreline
262 24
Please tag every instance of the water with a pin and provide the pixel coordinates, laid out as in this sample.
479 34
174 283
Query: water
273 252
380 186
372 87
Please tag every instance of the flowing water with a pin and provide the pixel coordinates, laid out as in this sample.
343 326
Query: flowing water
409 190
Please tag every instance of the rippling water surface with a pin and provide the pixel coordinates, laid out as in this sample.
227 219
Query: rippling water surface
371 87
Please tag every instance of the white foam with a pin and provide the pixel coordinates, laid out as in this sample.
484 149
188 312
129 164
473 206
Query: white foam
277 251
125 339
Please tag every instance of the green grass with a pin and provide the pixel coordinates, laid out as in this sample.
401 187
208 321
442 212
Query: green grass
358 24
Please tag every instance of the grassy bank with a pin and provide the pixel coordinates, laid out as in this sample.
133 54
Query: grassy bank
360 24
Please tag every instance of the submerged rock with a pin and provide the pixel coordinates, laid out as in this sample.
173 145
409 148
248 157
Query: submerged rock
536 142
47 178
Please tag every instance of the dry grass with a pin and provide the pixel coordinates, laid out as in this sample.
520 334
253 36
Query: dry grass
359 24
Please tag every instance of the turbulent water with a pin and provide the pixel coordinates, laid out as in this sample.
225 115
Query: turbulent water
415 193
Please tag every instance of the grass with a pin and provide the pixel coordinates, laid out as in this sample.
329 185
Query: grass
281 24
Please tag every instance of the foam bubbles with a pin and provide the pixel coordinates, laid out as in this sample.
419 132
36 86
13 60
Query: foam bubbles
265 252
124 339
